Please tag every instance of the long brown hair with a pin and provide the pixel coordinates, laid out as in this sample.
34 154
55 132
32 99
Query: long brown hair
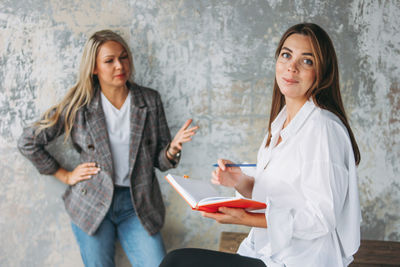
82 92
325 91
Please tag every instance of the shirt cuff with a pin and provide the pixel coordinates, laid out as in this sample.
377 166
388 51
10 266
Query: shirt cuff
165 162
279 229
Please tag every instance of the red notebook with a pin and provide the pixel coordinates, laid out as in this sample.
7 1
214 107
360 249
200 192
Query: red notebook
202 196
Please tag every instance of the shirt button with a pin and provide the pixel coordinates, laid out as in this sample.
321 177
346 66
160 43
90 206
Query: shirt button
83 191
90 147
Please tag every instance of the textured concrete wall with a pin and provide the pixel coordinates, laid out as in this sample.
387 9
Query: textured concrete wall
210 60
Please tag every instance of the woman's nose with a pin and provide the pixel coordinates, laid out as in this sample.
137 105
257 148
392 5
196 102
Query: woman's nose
292 66
118 64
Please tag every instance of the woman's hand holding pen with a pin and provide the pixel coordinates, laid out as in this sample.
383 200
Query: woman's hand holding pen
82 172
182 136
226 176
232 177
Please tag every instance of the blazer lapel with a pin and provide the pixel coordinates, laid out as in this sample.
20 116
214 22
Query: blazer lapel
137 122
98 130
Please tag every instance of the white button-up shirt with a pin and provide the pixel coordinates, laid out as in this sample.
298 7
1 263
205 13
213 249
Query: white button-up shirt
309 183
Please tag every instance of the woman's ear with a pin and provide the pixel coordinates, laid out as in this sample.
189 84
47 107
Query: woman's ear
95 71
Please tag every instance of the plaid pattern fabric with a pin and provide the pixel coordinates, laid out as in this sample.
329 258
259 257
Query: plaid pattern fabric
88 201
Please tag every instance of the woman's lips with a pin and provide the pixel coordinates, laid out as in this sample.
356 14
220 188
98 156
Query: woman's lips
120 76
289 81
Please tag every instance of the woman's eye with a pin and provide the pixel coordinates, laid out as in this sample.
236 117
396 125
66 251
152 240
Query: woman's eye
308 61
124 57
285 55
109 61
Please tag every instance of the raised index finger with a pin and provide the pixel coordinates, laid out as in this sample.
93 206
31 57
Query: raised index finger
221 164
187 123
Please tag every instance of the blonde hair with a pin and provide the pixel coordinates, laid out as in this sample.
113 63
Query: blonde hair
83 91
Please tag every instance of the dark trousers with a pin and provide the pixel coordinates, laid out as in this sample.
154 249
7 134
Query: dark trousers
195 257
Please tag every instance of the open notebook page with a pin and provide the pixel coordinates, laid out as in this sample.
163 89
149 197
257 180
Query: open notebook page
193 190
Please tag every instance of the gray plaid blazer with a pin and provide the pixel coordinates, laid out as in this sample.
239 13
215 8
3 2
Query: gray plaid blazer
87 202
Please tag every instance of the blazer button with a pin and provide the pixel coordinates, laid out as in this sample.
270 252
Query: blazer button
148 142
90 147
83 191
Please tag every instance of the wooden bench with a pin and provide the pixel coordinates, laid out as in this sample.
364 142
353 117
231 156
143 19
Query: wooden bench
372 253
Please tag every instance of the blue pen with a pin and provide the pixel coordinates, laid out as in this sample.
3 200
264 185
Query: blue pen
237 165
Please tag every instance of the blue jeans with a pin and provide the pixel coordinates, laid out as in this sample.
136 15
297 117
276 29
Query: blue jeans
120 222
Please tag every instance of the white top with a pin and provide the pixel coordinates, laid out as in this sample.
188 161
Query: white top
310 187
117 121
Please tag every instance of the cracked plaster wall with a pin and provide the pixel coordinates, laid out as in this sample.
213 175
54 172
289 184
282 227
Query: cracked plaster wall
211 61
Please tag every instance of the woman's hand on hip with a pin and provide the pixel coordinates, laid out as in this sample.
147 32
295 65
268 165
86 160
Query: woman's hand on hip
82 172
182 136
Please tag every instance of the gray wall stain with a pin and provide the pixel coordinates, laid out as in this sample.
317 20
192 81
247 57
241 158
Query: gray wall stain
212 61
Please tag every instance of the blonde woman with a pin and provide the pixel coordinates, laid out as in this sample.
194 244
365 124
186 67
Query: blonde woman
121 133
306 170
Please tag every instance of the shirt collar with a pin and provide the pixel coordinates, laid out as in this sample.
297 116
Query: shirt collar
277 124
295 123
136 97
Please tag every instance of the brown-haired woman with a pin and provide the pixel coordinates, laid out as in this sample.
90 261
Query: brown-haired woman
121 133
306 169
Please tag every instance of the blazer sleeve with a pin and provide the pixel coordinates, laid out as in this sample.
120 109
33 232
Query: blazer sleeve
164 139
32 146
